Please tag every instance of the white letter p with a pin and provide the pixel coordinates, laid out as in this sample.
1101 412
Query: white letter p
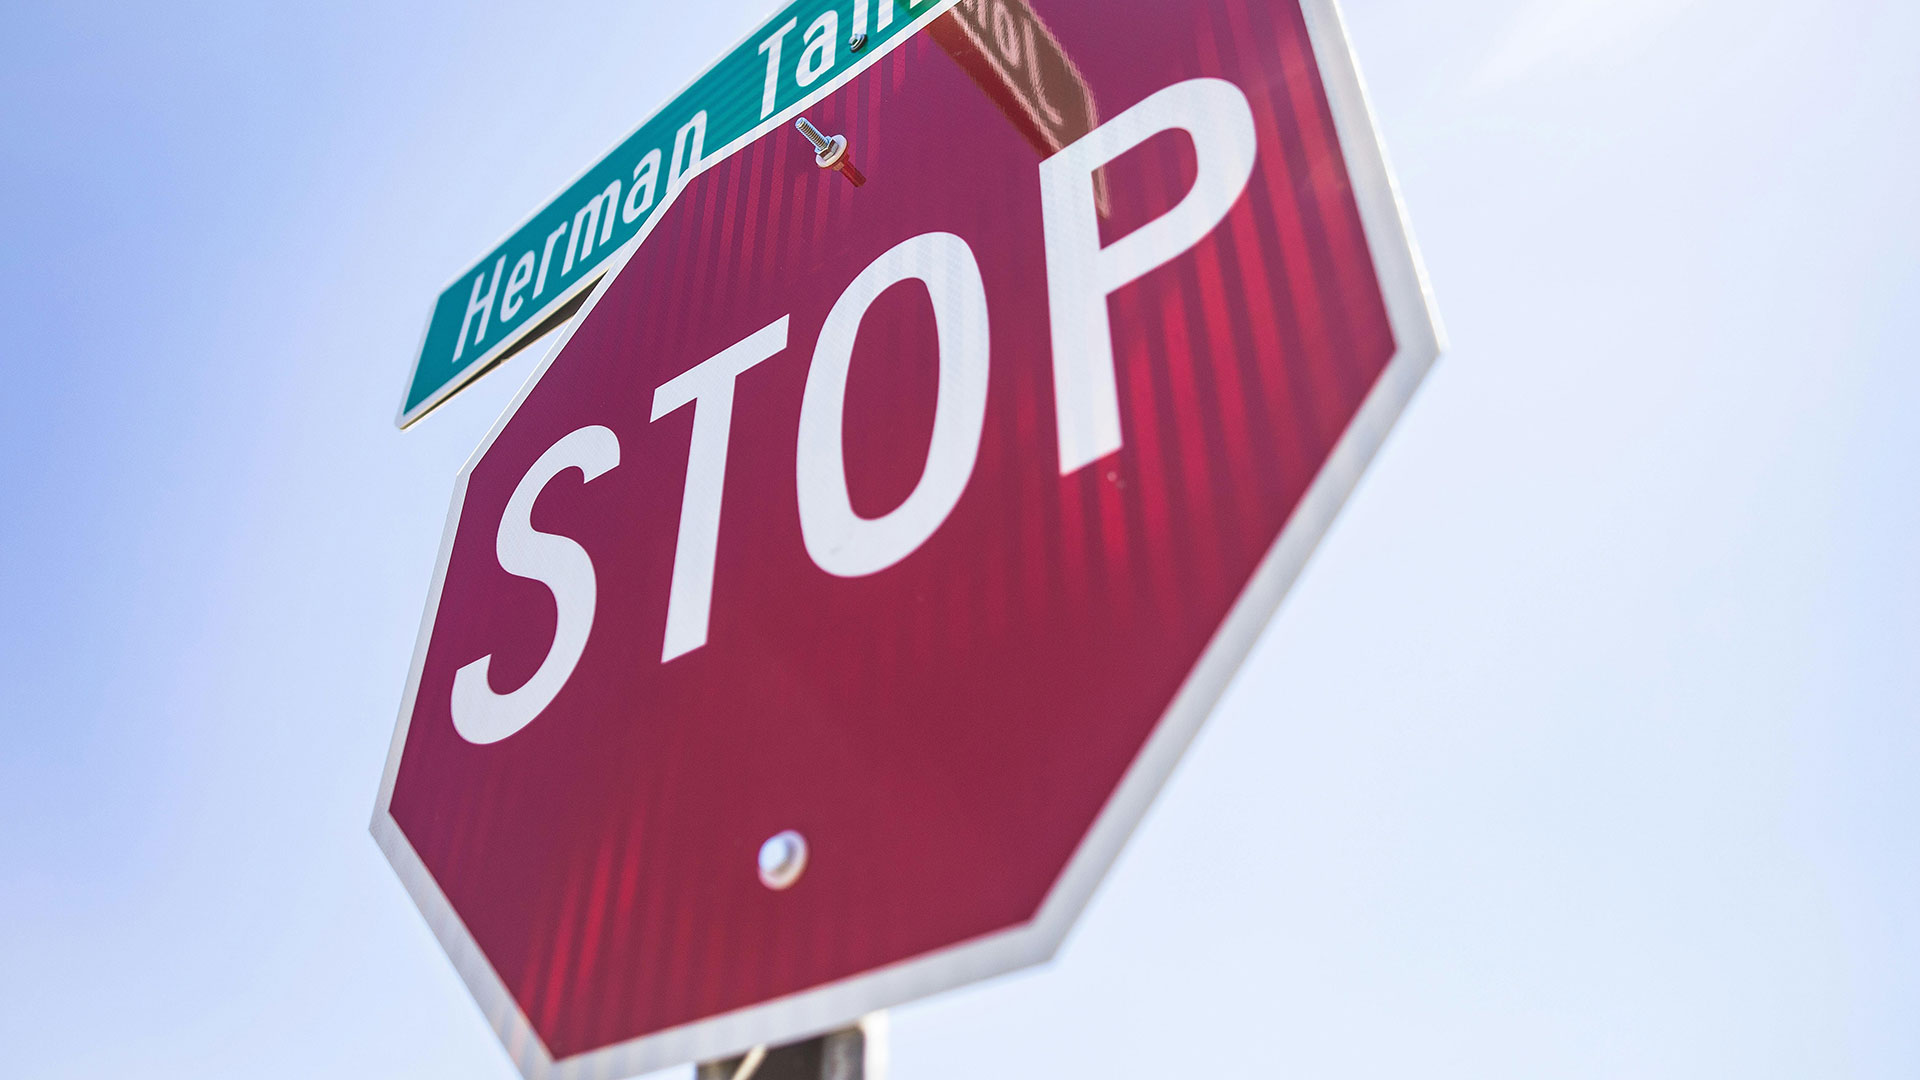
1081 273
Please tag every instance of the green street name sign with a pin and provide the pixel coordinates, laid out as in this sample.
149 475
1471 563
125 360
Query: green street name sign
540 274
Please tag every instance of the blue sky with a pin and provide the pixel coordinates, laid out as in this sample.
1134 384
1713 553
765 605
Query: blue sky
1585 747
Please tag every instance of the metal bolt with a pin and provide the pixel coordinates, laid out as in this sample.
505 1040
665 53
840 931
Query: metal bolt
821 144
857 42
782 859
830 153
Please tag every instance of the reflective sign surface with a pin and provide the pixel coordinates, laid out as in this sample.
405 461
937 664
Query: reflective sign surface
921 520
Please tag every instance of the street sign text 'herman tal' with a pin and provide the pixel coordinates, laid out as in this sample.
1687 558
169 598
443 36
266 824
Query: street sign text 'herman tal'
538 276
817 623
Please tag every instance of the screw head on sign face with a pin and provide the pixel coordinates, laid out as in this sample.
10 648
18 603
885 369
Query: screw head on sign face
834 154
782 859
857 42
827 153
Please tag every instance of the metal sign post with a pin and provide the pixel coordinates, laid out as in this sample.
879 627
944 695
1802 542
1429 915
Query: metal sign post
853 1053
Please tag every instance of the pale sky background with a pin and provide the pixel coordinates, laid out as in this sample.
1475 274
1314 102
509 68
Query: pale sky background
1587 746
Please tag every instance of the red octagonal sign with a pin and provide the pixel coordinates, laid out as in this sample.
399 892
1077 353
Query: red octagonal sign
825 612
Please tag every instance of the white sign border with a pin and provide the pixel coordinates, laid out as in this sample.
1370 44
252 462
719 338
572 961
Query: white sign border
1418 341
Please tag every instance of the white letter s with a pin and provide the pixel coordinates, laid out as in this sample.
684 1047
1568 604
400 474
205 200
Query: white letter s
479 714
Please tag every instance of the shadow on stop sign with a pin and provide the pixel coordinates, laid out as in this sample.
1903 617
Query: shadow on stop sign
822 616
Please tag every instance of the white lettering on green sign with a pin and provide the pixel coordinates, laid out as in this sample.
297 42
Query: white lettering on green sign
533 279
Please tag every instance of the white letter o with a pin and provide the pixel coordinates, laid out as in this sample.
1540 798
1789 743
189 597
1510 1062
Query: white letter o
840 541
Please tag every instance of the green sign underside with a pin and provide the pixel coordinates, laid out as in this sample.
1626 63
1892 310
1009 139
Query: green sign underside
520 288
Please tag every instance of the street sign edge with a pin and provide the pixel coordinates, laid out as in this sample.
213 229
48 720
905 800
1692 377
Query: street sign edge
1418 340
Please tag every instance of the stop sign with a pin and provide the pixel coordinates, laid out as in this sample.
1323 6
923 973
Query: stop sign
827 609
